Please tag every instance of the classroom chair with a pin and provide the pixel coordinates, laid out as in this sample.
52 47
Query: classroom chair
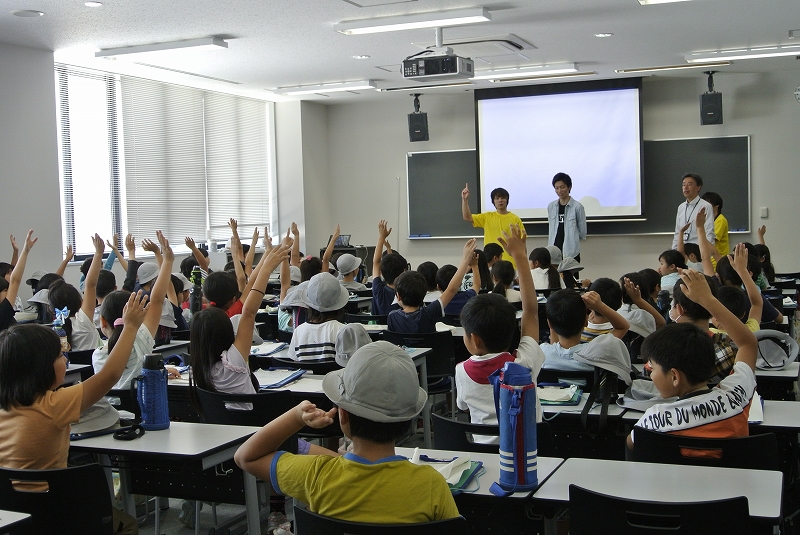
77 502
81 357
124 399
308 523
378 319
758 452
592 513
440 363
633 341
364 293
314 366
456 435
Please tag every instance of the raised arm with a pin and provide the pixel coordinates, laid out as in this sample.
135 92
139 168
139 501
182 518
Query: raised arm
620 324
679 236
251 253
152 247
296 245
267 264
159 290
383 233
101 382
112 244
455 282
466 213
19 268
255 455
286 272
90 285
697 290
68 255
326 256
514 244
761 231
130 246
635 293
707 249
202 260
739 262
15 250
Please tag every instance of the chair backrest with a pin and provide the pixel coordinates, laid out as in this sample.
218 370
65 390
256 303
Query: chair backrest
633 341
454 435
759 452
598 514
317 367
364 293
308 523
441 361
584 379
124 399
77 502
266 407
379 319
452 319
81 357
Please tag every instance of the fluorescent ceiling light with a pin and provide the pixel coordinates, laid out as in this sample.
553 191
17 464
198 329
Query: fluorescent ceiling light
745 53
651 2
539 70
433 19
203 42
325 88
675 67
27 13
422 87
546 77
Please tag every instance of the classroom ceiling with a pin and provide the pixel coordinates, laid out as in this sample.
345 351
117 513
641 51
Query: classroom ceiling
278 43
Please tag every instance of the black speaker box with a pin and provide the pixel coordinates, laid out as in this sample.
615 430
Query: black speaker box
418 126
711 108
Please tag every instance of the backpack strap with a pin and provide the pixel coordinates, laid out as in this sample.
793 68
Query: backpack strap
603 380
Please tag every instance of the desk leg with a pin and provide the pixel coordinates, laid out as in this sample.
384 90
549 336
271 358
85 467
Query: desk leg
128 503
251 504
426 410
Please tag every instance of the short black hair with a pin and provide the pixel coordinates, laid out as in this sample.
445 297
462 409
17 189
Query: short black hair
378 432
734 299
187 265
673 258
652 279
691 309
566 312
562 177
728 275
3 284
714 199
638 279
492 318
87 263
27 354
697 179
499 192
106 283
428 270
392 265
46 280
220 288
682 346
411 288
5 269
492 250
692 248
609 290
445 275
310 267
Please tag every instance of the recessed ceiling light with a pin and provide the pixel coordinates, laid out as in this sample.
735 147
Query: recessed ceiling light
361 56
603 34
28 13
93 4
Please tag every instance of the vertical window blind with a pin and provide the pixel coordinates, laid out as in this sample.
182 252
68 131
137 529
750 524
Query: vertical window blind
139 155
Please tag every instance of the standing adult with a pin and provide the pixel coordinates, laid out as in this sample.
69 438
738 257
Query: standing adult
687 211
566 218
720 223
492 223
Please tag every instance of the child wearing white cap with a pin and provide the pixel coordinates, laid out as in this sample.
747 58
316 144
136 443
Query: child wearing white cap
376 396
348 266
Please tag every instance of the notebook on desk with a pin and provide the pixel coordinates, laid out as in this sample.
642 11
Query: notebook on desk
278 377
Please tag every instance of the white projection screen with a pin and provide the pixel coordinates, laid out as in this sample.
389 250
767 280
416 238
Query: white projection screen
589 130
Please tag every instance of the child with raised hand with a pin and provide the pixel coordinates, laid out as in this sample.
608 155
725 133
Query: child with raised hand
642 317
385 269
489 322
112 321
763 255
730 295
603 315
10 289
683 360
415 316
79 318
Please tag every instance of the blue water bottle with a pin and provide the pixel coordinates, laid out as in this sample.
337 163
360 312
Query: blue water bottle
515 402
150 389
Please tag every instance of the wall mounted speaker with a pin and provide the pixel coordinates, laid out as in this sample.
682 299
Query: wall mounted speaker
418 126
711 108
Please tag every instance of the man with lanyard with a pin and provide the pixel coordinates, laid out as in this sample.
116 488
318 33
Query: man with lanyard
492 223
566 218
687 211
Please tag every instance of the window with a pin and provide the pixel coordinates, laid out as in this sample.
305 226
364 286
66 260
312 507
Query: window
140 155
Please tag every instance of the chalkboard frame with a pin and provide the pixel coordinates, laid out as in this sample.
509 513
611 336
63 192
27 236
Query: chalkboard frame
722 161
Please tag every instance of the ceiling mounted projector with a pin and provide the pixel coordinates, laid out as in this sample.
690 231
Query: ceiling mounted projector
444 65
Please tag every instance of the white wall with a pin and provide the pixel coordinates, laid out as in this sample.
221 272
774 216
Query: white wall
367 144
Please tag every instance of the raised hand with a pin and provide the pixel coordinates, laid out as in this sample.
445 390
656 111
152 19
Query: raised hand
685 227
130 242
99 246
313 417
469 253
696 288
30 240
739 260
166 250
295 230
112 243
512 241
190 243
68 254
701 218
13 243
633 291
383 229
234 225
150 245
465 193
592 300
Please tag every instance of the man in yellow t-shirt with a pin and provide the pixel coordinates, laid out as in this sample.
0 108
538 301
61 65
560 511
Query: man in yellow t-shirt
492 223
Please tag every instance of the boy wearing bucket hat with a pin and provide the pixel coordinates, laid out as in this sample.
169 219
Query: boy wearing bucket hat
376 395
348 266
